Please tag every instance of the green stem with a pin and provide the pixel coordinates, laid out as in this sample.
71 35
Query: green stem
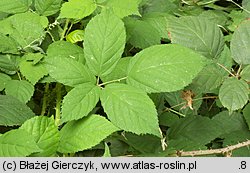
51 36
206 3
58 103
64 29
58 85
172 110
226 69
70 27
19 76
238 72
239 6
97 81
45 97
112 81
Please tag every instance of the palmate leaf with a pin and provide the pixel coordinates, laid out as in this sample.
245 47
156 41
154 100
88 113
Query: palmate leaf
79 102
13 111
47 7
85 133
14 6
77 9
104 43
130 109
233 94
45 133
164 68
198 34
240 43
68 71
22 90
17 143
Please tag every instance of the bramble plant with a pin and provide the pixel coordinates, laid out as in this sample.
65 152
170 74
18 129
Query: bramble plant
124 77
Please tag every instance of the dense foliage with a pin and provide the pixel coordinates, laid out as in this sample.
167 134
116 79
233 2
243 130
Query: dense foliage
123 77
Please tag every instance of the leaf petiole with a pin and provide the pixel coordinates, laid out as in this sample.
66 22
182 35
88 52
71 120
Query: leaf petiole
113 81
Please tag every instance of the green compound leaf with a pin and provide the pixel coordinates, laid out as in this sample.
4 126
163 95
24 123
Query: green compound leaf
22 90
124 8
198 34
13 112
233 94
77 9
84 134
3 80
164 68
14 6
47 7
45 133
104 43
130 109
17 143
66 49
240 43
68 71
79 102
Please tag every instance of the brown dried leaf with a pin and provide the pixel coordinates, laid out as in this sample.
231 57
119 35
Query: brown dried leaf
188 96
